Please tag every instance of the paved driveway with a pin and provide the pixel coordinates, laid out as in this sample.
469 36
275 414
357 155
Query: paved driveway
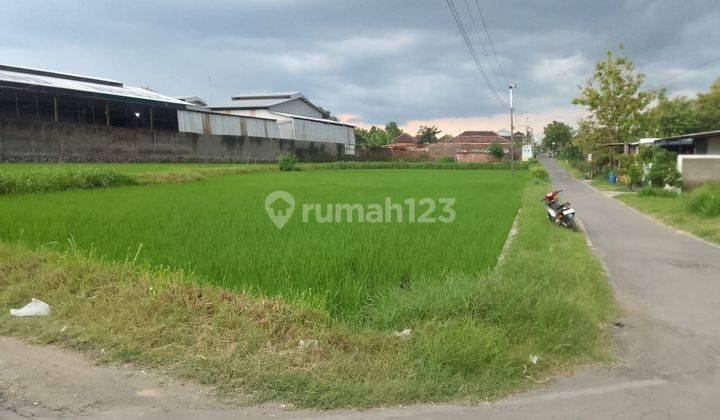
667 283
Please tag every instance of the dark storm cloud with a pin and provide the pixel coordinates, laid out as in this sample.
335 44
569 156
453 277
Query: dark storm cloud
379 60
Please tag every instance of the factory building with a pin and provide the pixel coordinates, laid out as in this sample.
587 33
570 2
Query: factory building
45 105
297 118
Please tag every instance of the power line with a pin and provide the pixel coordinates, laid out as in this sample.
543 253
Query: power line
500 84
473 54
492 46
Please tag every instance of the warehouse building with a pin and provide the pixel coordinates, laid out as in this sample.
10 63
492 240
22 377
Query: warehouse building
41 95
297 118
39 108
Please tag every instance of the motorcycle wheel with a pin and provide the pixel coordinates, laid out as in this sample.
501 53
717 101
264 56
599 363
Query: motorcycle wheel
570 223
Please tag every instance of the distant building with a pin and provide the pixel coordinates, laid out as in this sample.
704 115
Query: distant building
297 118
481 140
405 139
49 115
698 154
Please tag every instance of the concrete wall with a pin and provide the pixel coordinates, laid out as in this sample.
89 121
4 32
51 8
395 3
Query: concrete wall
698 169
475 157
25 141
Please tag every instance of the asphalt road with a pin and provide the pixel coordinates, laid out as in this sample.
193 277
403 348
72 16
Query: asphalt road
667 283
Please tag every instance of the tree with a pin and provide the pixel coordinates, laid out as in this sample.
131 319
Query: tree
446 138
392 129
377 137
708 108
614 99
495 150
673 117
361 137
428 134
558 136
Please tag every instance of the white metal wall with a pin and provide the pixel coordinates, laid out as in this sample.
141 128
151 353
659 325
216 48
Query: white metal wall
230 125
323 132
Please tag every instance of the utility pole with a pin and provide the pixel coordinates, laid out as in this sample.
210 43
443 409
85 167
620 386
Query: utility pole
512 131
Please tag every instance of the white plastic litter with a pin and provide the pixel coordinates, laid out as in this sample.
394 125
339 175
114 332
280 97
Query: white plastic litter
534 359
308 345
34 308
404 334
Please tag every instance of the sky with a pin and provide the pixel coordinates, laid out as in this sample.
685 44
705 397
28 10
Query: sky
372 61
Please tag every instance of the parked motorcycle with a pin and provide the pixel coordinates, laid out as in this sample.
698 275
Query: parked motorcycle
562 214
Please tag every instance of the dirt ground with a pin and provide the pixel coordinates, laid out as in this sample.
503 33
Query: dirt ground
48 382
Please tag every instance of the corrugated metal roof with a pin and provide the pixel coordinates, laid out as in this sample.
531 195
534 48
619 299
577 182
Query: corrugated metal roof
48 79
301 117
264 100
268 95
250 103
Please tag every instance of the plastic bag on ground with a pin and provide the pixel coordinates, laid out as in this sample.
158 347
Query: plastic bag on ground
34 308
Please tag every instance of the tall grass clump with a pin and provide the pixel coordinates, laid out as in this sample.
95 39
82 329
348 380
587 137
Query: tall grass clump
287 162
705 200
656 192
51 179
539 173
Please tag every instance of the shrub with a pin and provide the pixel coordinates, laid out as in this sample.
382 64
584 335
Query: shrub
634 174
495 150
662 167
287 162
538 172
705 200
446 159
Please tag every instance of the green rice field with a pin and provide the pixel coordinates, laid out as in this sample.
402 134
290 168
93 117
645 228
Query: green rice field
218 229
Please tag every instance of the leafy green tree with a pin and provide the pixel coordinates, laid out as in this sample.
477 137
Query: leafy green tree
708 108
614 99
378 137
496 150
558 136
361 137
672 117
393 130
428 134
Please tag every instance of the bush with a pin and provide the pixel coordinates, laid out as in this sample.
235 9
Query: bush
446 159
538 172
287 162
495 150
662 167
705 200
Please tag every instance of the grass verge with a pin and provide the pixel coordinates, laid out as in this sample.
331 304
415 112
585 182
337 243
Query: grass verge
600 183
677 211
48 180
472 336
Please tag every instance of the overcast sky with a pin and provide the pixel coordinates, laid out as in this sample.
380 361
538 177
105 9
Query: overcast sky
370 61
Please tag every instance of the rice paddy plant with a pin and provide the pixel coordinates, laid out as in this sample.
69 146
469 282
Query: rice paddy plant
219 230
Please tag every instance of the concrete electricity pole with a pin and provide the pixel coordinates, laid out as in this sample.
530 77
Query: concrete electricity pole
512 131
